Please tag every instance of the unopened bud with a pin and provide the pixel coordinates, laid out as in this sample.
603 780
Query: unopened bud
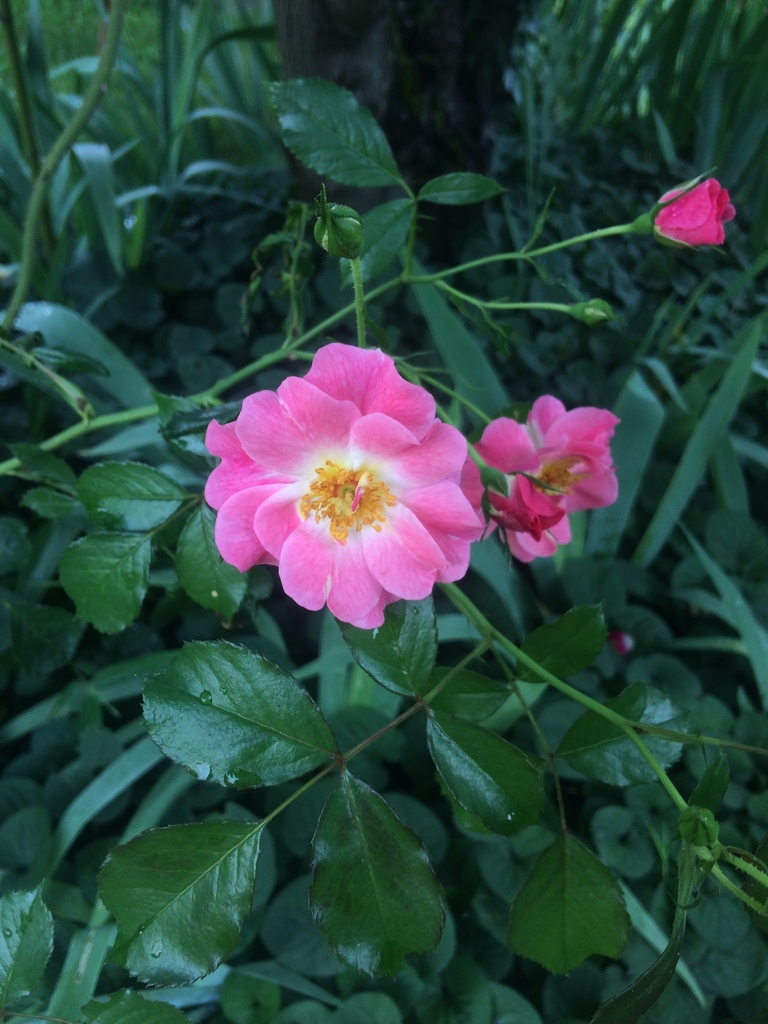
595 311
338 229
698 826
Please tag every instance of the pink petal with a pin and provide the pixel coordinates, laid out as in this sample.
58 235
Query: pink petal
369 378
315 569
234 533
404 460
544 412
525 548
444 507
290 431
507 445
403 557
278 516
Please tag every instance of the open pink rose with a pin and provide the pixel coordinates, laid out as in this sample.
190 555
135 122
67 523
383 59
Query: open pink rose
347 482
557 462
697 217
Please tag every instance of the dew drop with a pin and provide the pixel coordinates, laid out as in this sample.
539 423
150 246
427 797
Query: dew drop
8 932
155 952
206 697
203 771
509 817
231 779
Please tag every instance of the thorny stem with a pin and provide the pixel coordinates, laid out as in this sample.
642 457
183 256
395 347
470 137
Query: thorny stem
91 99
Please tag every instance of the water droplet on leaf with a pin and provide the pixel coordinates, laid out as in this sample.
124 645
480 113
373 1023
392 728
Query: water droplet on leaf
205 697
203 771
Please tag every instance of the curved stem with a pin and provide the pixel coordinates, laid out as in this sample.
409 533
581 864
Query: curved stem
463 603
505 257
557 307
53 158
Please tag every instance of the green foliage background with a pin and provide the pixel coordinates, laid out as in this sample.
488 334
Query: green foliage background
146 294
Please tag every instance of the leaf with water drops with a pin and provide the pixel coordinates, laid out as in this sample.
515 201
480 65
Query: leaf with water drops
401 653
179 896
485 775
233 717
26 942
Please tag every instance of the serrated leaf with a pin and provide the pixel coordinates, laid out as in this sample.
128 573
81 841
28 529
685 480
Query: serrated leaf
325 127
49 504
568 908
179 896
231 716
107 575
602 750
128 496
460 188
38 464
400 654
374 894
26 942
468 695
207 579
568 645
131 1008
487 776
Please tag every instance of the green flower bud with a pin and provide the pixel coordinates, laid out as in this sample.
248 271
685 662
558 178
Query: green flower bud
698 826
595 311
338 229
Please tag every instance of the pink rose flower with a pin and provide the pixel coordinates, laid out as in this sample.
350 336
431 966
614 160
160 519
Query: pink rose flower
556 462
697 217
347 482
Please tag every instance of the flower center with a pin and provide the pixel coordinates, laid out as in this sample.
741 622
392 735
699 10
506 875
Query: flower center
557 475
348 498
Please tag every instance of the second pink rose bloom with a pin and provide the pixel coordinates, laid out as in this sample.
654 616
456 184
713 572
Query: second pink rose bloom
557 462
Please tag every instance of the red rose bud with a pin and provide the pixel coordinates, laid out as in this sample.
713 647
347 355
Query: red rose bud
696 217
620 641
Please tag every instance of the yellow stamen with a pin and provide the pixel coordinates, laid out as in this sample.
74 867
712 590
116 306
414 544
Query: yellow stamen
557 476
348 498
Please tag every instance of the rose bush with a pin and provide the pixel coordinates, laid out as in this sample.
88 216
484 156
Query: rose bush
347 482
557 462
697 217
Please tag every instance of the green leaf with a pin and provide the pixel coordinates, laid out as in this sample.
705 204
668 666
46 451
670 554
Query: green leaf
63 328
179 896
713 784
127 1007
107 575
96 161
231 716
43 467
44 638
460 188
26 942
467 695
486 775
400 654
602 750
374 894
207 579
128 496
568 908
752 632
49 504
568 645
246 999
325 127
706 436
